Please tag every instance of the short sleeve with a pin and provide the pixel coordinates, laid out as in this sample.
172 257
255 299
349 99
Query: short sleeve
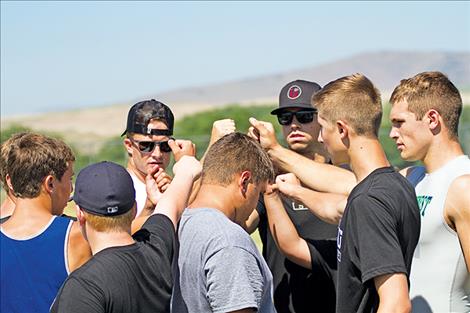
234 280
159 232
375 237
323 256
76 296
260 207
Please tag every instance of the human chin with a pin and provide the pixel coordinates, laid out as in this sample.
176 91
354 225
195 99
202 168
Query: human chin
297 146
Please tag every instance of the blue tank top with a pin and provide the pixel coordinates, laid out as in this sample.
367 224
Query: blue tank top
33 270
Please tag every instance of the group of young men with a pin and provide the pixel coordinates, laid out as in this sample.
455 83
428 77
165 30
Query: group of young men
342 229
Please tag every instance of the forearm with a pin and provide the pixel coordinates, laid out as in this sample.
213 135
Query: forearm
318 176
284 232
175 198
393 293
329 207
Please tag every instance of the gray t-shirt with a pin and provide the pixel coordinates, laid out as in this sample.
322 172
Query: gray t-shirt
219 267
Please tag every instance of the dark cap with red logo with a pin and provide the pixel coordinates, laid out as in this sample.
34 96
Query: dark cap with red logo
297 94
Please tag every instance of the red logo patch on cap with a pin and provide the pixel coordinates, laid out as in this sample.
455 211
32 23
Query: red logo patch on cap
294 92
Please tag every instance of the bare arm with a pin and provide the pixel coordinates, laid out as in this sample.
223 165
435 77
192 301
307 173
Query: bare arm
327 206
393 293
252 222
318 176
457 213
175 198
78 249
284 232
163 180
220 128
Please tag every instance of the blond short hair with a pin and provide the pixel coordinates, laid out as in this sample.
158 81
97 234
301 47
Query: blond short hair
353 99
431 90
118 223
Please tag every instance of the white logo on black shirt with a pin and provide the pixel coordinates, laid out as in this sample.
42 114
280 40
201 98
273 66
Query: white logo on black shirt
298 207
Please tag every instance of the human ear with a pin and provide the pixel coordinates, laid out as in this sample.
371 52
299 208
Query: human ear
245 179
343 129
128 145
49 183
80 216
433 118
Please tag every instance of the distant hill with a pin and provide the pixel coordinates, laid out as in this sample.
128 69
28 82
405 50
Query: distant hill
385 69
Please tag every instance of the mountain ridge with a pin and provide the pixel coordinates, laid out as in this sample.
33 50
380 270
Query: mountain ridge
384 68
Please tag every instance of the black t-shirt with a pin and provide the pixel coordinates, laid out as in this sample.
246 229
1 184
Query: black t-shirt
377 235
132 278
297 289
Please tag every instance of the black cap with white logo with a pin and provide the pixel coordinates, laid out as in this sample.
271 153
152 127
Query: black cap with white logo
141 113
297 94
104 189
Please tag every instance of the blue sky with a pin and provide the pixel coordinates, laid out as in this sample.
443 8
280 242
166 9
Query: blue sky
57 55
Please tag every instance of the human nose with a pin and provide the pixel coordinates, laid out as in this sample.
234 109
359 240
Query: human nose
320 138
156 152
393 133
295 124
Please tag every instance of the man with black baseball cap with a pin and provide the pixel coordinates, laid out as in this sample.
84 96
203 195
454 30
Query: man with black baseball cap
149 127
126 273
298 289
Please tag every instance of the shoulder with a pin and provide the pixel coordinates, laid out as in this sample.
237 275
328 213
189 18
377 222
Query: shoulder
212 228
158 224
458 197
78 248
414 174
79 294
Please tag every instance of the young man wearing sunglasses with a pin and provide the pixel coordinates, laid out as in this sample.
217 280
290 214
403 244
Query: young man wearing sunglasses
149 127
297 289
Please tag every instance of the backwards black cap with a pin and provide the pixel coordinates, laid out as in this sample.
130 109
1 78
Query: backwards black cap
143 112
104 189
297 94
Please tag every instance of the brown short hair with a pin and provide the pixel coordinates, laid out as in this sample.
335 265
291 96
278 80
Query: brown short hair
31 158
4 151
116 223
431 90
354 99
233 154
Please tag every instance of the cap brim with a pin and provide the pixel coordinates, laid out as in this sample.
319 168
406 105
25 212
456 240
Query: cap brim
307 107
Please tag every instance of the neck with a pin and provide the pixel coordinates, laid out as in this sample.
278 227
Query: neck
366 155
101 240
441 152
216 197
316 153
7 207
133 169
30 216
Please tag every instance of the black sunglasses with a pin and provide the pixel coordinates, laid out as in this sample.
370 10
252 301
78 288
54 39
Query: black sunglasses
304 117
148 146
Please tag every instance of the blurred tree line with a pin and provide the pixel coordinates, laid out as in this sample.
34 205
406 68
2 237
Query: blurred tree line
197 128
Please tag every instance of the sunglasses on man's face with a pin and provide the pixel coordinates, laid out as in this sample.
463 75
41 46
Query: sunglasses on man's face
148 146
304 117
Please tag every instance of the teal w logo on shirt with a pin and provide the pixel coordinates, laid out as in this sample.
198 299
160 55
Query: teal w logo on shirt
423 203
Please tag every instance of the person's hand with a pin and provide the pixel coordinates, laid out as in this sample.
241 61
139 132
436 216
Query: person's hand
263 132
181 147
188 165
287 183
162 179
221 128
271 192
154 194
